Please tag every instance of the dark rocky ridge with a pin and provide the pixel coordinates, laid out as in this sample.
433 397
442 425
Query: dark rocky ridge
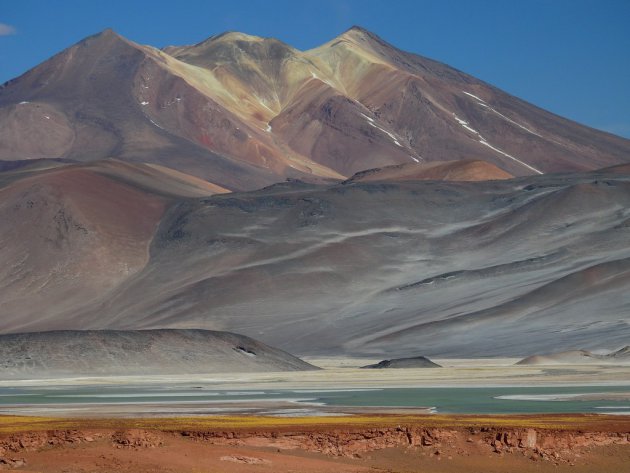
414 362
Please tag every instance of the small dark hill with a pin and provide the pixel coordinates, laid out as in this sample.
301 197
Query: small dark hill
414 362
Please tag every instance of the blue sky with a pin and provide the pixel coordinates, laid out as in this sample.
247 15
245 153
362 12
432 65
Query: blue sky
571 57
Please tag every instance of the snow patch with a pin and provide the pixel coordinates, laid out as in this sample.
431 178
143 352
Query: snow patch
484 104
156 124
46 117
371 120
465 124
460 121
473 96
485 143
268 129
144 103
391 135
470 129
510 120
23 103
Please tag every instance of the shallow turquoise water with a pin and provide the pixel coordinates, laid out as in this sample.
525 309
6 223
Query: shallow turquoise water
445 400
484 400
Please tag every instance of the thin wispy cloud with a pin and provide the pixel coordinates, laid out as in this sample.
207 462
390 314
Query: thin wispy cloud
6 30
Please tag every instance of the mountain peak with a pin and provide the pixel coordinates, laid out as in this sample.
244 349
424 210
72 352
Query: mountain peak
358 29
231 47
107 33
359 33
230 37
107 36
234 36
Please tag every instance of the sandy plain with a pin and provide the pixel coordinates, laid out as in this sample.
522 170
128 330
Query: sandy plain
346 373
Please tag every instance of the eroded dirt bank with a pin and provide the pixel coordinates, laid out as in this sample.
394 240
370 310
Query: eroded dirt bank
321 448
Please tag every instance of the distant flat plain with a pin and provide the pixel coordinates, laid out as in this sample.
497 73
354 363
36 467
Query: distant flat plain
343 372
307 393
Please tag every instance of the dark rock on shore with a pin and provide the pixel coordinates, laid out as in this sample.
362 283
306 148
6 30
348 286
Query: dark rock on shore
414 362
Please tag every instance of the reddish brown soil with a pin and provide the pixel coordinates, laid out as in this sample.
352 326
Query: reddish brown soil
600 446
464 170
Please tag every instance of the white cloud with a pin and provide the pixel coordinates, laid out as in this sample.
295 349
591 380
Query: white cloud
6 30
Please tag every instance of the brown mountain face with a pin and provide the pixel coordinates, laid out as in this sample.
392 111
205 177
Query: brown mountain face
73 232
243 112
464 170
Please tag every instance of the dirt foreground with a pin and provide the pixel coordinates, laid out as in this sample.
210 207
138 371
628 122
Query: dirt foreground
576 443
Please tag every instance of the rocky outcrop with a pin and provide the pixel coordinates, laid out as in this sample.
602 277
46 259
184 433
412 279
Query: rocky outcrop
415 362
137 438
536 444
245 459
552 445
13 446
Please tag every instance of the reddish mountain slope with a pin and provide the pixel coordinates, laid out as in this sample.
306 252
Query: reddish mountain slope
243 112
464 170
72 233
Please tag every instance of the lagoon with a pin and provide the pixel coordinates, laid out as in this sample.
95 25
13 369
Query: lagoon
189 399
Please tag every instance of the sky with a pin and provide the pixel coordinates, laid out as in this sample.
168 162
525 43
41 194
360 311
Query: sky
571 57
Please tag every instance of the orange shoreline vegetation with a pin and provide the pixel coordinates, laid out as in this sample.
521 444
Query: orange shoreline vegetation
569 422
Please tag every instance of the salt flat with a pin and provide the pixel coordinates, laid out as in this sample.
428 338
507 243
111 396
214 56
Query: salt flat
344 372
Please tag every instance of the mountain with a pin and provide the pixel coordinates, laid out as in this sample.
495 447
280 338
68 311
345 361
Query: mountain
244 112
378 269
125 353
351 199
